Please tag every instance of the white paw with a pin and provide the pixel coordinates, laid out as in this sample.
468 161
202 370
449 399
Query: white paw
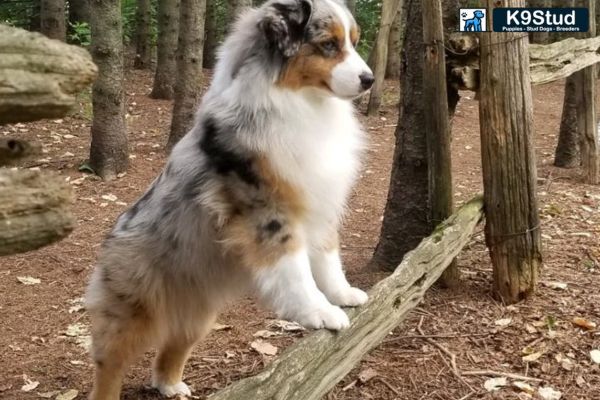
348 297
179 388
327 316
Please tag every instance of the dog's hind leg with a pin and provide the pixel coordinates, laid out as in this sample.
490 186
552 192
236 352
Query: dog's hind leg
172 355
116 342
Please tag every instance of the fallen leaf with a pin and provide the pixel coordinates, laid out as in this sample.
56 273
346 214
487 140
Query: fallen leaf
265 334
29 384
595 356
584 323
580 381
530 328
287 326
77 362
524 387
494 384
264 347
503 322
533 356
220 327
68 395
547 393
556 285
28 280
109 197
48 395
366 375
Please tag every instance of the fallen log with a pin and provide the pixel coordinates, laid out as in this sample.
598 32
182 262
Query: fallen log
39 77
12 150
547 62
34 210
312 366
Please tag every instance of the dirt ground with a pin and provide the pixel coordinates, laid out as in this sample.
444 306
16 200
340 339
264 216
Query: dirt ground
43 328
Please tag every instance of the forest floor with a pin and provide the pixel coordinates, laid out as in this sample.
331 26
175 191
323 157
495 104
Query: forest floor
43 327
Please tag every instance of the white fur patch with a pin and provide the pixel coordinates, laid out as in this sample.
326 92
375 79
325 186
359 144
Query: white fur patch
179 388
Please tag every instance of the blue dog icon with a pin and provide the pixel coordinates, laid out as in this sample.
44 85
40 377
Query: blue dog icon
474 24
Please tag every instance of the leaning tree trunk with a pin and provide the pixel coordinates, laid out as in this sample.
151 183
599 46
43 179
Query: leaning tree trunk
79 11
211 36
168 31
389 9
351 6
108 152
585 83
143 49
405 213
392 71
508 160
567 149
52 19
188 84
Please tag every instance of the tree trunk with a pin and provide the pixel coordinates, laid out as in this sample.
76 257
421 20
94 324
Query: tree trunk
585 83
313 365
539 37
108 152
406 212
437 125
79 11
41 78
392 70
389 9
143 49
52 19
508 161
188 86
166 67
211 36
567 149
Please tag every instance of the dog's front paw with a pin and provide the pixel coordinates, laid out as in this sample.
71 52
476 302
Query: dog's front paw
179 388
327 316
349 297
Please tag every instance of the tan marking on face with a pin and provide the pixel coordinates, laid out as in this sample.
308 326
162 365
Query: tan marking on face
262 224
354 34
312 66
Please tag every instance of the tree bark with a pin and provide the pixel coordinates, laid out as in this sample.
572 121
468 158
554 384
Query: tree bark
406 210
166 65
211 36
351 6
508 161
39 77
312 366
143 48
79 11
539 37
53 19
585 83
392 70
34 210
567 149
109 148
437 125
389 9
188 86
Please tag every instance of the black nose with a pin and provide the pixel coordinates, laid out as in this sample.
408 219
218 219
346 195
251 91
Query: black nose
366 80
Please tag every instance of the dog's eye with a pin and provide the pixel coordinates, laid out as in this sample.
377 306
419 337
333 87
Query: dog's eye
330 46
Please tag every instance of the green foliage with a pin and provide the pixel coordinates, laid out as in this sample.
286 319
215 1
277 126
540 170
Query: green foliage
368 15
20 14
80 33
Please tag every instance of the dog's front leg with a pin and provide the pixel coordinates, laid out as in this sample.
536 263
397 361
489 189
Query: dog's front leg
330 278
289 289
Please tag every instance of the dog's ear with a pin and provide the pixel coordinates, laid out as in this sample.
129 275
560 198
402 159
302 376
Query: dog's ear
284 24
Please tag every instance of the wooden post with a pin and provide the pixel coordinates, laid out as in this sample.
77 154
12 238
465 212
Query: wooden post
312 366
508 161
435 100
585 81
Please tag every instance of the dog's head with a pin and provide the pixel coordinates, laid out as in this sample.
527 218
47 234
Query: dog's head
317 40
